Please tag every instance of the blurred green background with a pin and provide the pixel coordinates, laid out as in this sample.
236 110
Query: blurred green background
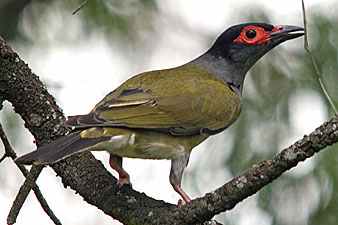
83 57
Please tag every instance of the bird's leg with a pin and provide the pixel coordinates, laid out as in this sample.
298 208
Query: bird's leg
115 162
177 168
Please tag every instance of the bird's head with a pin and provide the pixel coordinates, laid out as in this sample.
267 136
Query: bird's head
246 43
240 46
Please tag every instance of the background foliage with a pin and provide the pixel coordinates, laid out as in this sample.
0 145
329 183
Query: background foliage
282 99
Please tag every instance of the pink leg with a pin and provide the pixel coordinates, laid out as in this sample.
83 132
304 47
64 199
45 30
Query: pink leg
179 190
175 178
115 162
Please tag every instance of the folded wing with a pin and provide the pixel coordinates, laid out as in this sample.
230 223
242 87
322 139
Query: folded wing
180 101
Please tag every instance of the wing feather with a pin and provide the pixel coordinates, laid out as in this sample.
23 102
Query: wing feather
156 100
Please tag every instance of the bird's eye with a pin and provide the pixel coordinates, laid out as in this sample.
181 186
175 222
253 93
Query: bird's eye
253 35
250 33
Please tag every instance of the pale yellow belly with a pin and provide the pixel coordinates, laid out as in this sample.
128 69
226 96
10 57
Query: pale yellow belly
147 144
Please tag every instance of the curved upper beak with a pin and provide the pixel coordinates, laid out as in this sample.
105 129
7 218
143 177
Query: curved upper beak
286 32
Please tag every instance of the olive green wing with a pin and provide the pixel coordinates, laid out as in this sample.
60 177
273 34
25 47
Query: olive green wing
182 101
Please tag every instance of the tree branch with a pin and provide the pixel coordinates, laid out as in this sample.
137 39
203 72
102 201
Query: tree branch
314 64
23 193
9 152
251 181
80 7
88 177
82 172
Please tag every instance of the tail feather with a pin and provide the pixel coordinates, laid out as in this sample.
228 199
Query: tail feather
60 149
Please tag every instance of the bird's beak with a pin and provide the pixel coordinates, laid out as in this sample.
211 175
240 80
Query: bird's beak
284 33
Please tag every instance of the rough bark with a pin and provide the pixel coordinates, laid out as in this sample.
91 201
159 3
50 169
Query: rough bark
89 178
82 172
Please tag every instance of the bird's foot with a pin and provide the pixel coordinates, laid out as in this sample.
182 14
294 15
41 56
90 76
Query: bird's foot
181 203
124 181
186 198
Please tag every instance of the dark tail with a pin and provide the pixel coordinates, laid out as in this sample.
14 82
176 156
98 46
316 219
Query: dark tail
59 149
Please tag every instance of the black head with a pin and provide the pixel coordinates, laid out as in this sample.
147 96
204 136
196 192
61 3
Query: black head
246 43
240 46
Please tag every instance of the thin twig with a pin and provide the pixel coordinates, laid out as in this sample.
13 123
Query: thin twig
23 193
80 7
9 152
3 157
314 64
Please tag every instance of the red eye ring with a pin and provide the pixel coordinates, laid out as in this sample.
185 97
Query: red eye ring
253 35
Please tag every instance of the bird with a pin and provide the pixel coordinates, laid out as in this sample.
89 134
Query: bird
164 114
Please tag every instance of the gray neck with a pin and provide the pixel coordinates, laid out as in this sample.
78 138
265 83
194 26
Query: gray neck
223 70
